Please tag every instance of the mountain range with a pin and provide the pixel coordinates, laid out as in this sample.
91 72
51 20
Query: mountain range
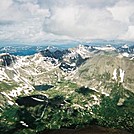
50 87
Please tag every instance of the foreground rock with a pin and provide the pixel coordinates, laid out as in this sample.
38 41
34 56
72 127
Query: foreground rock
87 130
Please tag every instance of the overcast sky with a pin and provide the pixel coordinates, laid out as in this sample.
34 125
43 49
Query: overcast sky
41 20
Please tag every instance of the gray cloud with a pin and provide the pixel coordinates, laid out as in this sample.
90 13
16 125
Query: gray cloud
89 3
6 22
26 1
131 19
96 3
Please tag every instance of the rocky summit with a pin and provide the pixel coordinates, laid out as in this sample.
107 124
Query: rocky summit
67 90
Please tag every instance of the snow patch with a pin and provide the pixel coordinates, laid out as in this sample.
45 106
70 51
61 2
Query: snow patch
122 73
37 99
115 74
10 102
23 123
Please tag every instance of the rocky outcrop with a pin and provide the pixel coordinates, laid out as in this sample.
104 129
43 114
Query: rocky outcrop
126 48
57 54
6 59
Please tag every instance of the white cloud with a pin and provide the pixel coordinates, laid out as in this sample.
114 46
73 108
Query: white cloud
38 20
129 35
21 21
5 4
122 10
83 22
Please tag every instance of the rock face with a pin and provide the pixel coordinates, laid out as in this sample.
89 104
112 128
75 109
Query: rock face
69 59
6 59
57 54
66 67
126 49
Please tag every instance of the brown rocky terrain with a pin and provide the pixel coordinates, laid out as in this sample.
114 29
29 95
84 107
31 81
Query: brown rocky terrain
87 130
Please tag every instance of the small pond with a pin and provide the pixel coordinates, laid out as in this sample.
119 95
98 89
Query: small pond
43 87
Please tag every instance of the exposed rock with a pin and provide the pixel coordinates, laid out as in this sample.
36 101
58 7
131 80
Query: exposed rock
6 59
66 67
120 102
